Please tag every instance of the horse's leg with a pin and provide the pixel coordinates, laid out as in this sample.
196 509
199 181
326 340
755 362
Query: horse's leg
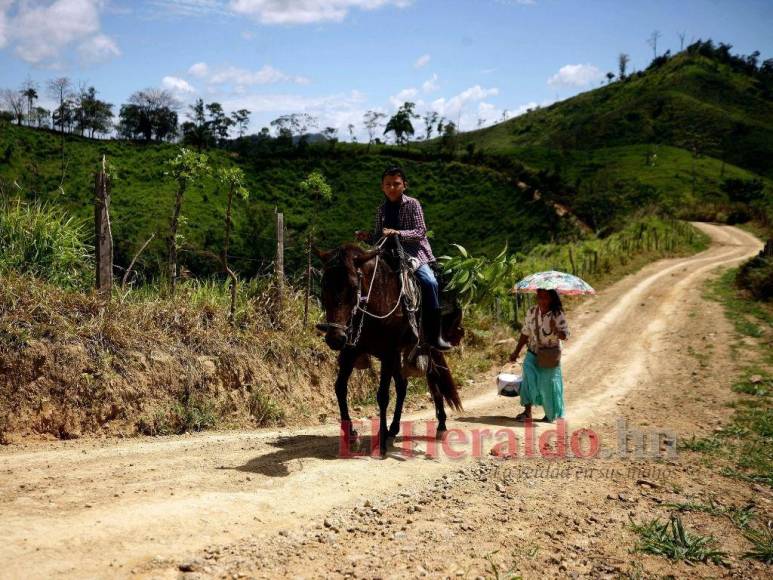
383 402
345 367
440 410
401 386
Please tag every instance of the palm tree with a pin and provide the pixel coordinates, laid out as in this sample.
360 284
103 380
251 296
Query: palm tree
400 124
30 92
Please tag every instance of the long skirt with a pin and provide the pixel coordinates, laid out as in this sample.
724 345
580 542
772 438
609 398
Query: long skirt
544 387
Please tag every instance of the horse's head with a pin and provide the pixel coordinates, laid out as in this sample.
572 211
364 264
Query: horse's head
340 288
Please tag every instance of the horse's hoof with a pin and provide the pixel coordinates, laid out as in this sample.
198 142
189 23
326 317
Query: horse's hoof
394 431
440 433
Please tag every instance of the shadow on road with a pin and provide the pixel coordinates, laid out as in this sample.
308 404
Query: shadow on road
325 447
499 420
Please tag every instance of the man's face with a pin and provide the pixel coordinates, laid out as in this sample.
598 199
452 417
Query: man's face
543 300
393 187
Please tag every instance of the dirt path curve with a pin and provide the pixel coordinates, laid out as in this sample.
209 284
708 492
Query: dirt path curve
105 508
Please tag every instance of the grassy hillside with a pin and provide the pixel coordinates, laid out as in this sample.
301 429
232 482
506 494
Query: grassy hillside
672 136
690 101
472 205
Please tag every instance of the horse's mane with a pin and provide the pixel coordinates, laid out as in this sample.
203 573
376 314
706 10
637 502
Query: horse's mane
352 250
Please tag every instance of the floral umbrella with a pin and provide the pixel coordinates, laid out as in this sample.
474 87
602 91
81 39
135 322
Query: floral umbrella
561 282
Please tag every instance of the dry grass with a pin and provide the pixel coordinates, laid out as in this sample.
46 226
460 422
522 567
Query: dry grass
146 363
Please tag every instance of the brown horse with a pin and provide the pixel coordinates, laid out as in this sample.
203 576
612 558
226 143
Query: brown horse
360 322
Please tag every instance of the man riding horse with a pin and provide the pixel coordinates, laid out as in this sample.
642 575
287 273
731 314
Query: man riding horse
363 295
400 216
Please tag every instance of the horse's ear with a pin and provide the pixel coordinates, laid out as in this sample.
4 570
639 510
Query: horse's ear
361 259
322 254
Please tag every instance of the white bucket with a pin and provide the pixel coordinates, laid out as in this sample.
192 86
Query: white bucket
508 384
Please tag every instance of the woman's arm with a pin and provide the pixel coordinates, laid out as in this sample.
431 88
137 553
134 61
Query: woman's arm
519 347
562 326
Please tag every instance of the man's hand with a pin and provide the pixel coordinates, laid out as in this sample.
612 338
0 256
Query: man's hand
391 232
361 235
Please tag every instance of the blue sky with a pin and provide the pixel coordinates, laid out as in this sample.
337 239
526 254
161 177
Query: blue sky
466 59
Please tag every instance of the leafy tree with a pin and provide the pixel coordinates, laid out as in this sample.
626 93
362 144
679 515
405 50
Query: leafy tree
219 123
331 136
652 40
352 136
610 76
440 126
186 168
29 91
295 125
449 139
241 119
41 116
59 89
622 63
430 119
400 123
315 186
150 114
14 101
197 131
372 120
92 114
233 179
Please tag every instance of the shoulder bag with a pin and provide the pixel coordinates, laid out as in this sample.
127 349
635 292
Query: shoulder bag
548 357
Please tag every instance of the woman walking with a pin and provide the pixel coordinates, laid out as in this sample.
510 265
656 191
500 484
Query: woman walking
543 330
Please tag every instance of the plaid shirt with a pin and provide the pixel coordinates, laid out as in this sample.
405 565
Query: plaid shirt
413 231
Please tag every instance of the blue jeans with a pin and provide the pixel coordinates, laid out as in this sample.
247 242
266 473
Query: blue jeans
429 287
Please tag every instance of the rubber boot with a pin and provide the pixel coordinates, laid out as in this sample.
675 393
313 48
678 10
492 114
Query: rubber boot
433 329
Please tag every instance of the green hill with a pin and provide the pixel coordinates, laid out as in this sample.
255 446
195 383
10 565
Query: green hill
475 206
673 133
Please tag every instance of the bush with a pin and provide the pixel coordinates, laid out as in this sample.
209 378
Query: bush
756 275
45 242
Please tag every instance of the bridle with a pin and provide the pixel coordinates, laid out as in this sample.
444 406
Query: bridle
361 305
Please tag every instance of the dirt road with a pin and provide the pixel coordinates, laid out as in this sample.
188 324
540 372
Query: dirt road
266 503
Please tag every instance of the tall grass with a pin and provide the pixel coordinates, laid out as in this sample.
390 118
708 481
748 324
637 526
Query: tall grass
487 283
43 241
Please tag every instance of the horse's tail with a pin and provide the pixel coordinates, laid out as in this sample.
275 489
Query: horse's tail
440 380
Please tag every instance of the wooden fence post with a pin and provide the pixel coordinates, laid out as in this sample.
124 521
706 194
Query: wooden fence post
103 233
280 257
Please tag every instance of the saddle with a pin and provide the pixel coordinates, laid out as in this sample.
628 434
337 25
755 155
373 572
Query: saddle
415 358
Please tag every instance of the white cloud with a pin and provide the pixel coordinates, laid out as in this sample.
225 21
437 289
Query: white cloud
200 69
177 85
98 49
242 78
422 61
4 6
42 32
403 96
575 75
305 11
453 106
190 7
430 85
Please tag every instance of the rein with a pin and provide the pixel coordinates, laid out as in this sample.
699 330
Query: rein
363 301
